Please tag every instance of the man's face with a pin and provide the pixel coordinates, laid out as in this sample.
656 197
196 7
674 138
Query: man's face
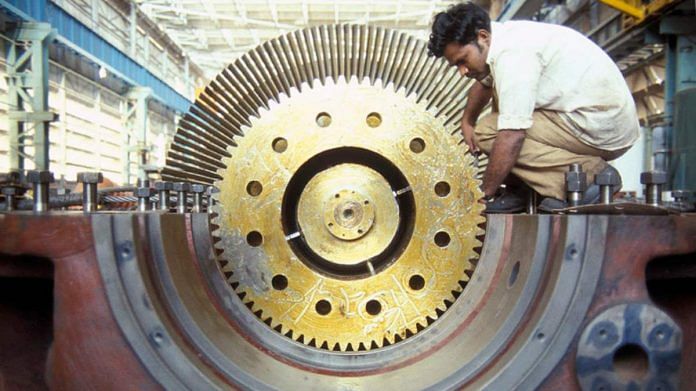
470 59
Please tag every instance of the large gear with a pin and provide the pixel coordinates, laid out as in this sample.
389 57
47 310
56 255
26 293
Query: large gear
348 215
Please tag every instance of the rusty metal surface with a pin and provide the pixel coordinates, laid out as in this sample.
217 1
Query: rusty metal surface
88 350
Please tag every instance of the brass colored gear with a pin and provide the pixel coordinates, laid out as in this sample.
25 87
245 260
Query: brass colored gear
348 215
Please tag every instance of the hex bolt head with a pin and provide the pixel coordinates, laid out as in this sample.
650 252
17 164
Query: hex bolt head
12 191
607 178
181 186
11 177
576 181
681 195
144 192
653 178
90 177
198 188
35 176
160 186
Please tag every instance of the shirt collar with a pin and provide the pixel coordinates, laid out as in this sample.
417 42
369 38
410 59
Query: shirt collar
496 31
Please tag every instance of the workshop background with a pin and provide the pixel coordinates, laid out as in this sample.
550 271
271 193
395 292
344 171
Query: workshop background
116 76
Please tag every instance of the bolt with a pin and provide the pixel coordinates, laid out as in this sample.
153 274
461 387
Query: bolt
90 180
197 189
653 181
163 192
40 181
681 195
576 183
11 193
181 188
144 194
211 190
606 182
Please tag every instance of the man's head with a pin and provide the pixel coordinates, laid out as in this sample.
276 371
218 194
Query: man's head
462 34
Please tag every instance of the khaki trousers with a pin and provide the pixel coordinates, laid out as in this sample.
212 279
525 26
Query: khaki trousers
548 148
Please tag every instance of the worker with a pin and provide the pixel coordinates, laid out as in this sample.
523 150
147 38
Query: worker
558 99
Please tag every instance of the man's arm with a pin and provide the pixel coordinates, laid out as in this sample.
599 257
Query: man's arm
478 97
506 149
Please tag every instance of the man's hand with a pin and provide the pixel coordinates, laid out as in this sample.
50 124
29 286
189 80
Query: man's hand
506 149
468 133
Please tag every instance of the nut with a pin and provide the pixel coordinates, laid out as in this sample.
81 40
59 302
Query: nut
163 186
12 191
9 177
681 195
576 181
212 190
198 188
34 176
607 177
144 192
181 186
653 178
90 177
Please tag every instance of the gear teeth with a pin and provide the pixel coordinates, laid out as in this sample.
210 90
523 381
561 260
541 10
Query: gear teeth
239 108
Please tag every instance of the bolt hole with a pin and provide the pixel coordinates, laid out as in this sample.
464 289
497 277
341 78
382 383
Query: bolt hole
442 239
631 362
374 120
540 336
323 120
602 333
442 189
254 188
337 195
416 282
279 282
373 307
360 231
280 145
330 224
513 274
323 307
254 238
367 202
158 337
417 145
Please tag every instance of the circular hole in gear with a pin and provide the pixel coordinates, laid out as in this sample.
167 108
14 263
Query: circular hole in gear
631 362
373 120
323 120
348 213
323 307
254 188
279 282
373 307
442 239
254 238
416 282
442 189
417 145
280 145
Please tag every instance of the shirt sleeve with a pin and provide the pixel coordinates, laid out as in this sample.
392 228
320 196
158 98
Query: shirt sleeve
517 74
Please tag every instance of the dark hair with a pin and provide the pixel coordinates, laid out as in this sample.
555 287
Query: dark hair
460 23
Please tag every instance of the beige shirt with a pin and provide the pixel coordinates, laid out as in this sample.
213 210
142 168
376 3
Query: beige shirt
551 67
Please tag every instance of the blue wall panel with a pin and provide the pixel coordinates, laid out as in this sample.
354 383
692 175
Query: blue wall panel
82 39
